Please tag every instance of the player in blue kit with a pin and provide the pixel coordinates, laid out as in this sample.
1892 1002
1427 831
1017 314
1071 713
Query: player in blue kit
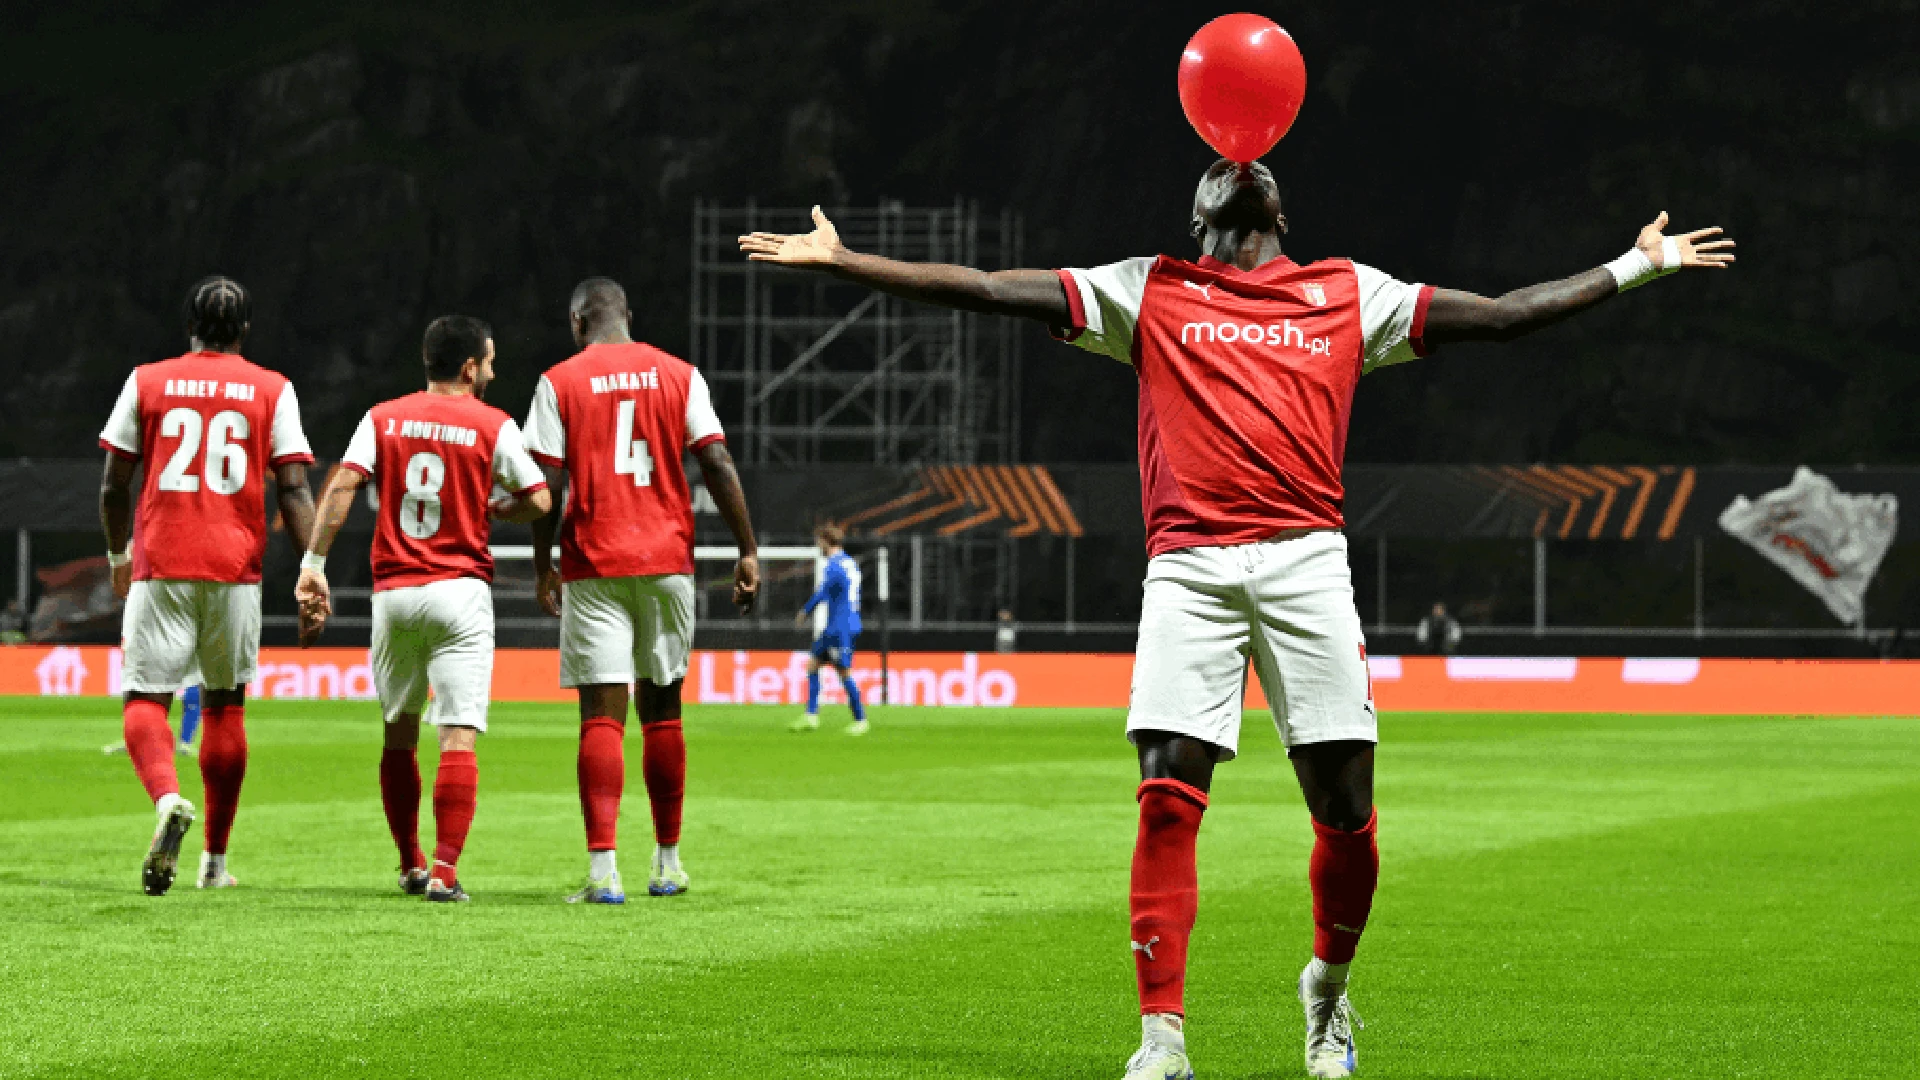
840 591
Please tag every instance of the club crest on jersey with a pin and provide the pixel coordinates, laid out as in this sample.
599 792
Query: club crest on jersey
1316 293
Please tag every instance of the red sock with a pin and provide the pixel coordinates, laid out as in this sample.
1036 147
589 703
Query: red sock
1343 871
1166 891
603 776
143 725
455 790
223 767
400 795
663 761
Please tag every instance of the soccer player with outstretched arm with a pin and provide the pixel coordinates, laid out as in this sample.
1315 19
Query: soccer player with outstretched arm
840 591
435 456
613 423
208 425
1247 363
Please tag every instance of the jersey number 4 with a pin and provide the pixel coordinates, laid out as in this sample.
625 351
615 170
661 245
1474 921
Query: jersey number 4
630 456
225 467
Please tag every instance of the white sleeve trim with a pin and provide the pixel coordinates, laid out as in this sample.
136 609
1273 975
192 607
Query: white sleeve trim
1110 299
702 421
544 432
123 424
1387 307
513 468
289 439
362 450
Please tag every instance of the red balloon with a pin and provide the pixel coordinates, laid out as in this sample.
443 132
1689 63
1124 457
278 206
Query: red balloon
1241 84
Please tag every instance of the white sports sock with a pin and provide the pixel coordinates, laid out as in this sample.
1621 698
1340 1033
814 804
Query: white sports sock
1165 1029
164 805
600 864
212 864
667 856
1324 979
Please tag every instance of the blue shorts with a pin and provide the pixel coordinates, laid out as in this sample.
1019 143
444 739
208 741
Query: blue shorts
835 649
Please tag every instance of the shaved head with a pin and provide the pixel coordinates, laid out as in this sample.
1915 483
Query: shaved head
599 311
598 298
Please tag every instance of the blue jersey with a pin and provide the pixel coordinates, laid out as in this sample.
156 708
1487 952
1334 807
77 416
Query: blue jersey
840 591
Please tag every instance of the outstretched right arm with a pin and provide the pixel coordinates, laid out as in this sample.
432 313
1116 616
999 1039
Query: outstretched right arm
1028 294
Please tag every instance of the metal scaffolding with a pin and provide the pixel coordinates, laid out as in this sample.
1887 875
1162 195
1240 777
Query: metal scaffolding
807 369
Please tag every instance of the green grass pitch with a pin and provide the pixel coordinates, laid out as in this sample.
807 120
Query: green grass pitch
1560 897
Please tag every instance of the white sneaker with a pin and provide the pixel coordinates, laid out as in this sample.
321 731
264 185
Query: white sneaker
858 727
606 890
163 855
807 722
1330 1025
666 880
1163 1051
213 873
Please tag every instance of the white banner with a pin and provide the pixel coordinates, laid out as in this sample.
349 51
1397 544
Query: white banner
1825 539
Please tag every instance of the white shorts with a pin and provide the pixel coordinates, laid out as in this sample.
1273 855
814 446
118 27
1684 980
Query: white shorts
616 630
1286 605
437 635
172 628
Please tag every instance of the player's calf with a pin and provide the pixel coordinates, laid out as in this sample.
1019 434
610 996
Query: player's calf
223 764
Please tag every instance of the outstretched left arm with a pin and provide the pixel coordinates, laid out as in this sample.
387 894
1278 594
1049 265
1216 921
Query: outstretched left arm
1463 316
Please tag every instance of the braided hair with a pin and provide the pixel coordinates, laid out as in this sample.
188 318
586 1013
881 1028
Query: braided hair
218 311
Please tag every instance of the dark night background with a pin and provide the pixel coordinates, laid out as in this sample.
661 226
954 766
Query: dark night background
363 170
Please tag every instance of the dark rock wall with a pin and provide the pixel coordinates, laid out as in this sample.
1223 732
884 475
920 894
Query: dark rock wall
364 169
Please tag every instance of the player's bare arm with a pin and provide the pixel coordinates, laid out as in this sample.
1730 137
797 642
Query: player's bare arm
523 508
1028 294
723 483
116 518
546 580
326 520
296 500
1463 316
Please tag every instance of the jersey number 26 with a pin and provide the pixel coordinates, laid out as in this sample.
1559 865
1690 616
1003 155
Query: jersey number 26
226 465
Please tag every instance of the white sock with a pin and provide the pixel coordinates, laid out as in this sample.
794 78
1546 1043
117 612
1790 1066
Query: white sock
667 856
212 864
1324 979
1165 1029
600 864
164 805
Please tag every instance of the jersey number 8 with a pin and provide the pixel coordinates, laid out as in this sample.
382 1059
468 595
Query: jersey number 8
225 468
425 475
630 456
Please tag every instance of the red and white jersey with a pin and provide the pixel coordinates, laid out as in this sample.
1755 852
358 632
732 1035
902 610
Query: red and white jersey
619 419
1246 383
208 425
435 459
